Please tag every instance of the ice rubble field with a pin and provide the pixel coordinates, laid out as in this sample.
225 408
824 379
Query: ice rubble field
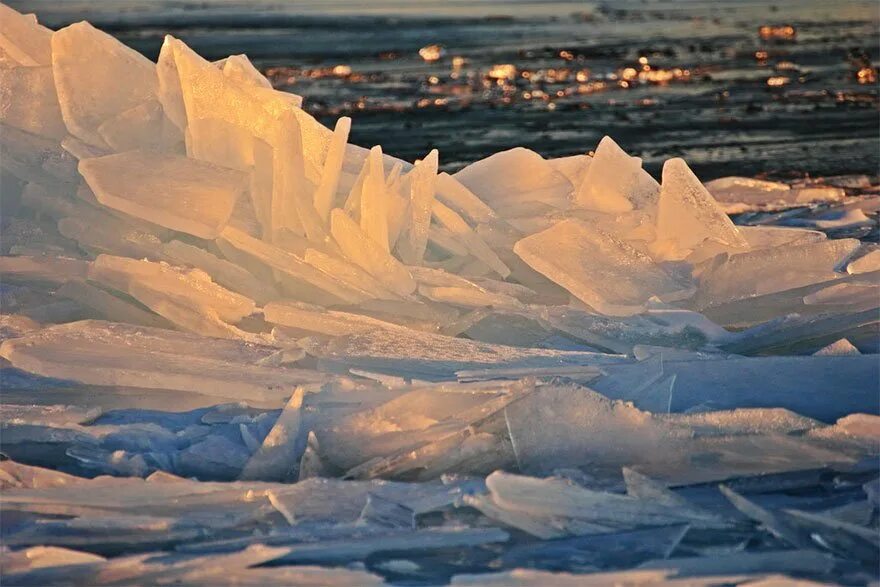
238 350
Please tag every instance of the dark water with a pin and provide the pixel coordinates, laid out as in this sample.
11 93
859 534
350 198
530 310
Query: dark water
702 90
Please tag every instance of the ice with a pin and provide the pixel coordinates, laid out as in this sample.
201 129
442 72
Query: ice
374 201
240 68
369 255
325 193
142 127
808 386
23 40
89 97
870 261
146 281
778 561
437 357
28 101
772 270
109 306
838 348
175 192
454 194
105 353
223 272
278 458
296 276
248 352
614 182
687 214
460 231
513 177
600 270
422 184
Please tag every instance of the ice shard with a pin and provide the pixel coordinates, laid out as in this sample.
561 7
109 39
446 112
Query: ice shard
614 182
175 192
248 352
687 214
105 353
88 97
278 457
600 270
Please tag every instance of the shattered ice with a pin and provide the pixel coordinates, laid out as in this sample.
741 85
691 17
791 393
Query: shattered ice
236 349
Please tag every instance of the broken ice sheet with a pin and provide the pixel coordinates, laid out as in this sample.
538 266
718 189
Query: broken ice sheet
559 426
412 418
105 353
176 192
278 457
771 270
687 214
599 269
516 176
808 386
614 182
28 101
423 355
24 40
89 96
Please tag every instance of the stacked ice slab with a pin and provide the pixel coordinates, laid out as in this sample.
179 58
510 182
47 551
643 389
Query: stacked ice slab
201 281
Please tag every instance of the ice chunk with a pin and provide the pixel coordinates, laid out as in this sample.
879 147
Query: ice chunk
178 193
870 261
28 101
369 255
805 385
169 92
573 167
227 274
109 306
240 68
765 237
422 182
296 277
616 549
44 269
348 273
207 93
560 498
741 563
325 193
454 194
24 40
141 127
278 457
193 289
838 348
374 201
105 353
596 267
771 270
460 230
515 176
615 182
317 320
408 352
346 550
741 194
91 95
687 214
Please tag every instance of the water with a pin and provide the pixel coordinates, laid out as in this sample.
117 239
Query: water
716 110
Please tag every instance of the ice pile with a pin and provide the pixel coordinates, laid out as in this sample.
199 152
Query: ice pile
230 339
